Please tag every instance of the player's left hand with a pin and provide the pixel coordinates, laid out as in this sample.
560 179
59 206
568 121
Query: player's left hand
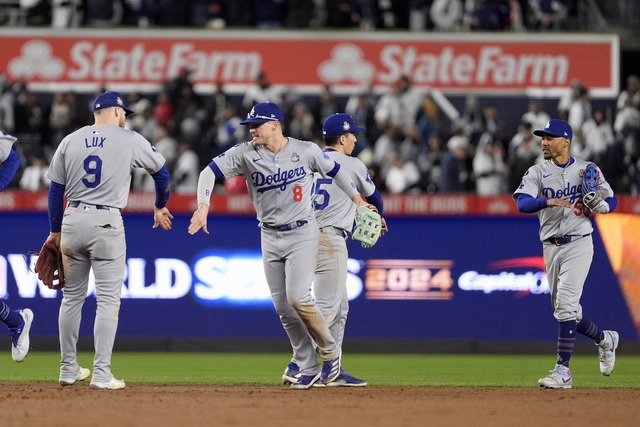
162 217
384 229
199 219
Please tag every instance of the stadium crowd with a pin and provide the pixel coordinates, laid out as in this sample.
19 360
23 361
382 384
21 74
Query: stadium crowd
413 143
418 15
410 146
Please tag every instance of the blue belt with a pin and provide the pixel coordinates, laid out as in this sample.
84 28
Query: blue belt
559 241
76 203
285 227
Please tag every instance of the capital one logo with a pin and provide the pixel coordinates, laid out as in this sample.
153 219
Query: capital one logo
346 64
36 60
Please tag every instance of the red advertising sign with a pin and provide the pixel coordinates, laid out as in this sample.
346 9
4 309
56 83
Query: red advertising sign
504 63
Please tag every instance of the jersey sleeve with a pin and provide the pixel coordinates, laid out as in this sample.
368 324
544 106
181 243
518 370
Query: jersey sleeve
56 171
231 162
145 155
361 178
6 144
529 184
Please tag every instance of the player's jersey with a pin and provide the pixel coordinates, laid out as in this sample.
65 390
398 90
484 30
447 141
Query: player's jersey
6 143
279 184
94 164
552 182
333 207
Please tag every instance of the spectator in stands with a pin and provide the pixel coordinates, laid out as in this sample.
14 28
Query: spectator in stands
446 15
429 163
163 110
524 151
65 13
535 115
59 119
402 176
547 15
326 106
361 106
598 137
343 14
261 91
30 122
580 109
33 176
568 98
230 132
489 169
627 130
399 107
455 174
166 145
186 171
103 13
492 123
487 15
382 147
7 104
302 122
37 12
632 91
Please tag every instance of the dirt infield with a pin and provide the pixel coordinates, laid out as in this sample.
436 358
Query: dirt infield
48 404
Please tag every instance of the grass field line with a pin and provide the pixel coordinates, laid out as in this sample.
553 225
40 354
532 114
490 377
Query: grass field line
378 369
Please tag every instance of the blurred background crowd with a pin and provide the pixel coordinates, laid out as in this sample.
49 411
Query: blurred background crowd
417 140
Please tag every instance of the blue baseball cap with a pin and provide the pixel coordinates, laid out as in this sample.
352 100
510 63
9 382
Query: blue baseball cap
555 127
339 124
264 112
110 99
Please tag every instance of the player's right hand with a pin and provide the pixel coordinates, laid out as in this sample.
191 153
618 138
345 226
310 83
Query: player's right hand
199 219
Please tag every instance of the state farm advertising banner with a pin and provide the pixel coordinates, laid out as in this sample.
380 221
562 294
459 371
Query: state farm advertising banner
142 60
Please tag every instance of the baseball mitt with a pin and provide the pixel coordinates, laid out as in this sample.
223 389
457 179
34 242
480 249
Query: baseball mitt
49 266
592 196
368 226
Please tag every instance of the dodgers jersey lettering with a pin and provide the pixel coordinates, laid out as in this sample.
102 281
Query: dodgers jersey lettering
553 182
107 155
330 201
284 196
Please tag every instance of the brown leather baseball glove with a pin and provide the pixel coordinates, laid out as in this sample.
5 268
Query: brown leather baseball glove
49 266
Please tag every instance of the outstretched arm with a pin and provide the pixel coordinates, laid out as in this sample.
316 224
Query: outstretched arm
161 215
206 181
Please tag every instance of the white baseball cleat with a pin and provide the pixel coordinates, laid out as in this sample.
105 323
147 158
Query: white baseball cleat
112 384
20 336
607 351
559 377
83 374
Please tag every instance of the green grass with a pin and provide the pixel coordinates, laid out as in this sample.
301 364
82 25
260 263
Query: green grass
378 369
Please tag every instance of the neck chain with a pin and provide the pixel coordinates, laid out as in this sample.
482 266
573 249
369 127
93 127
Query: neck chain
563 169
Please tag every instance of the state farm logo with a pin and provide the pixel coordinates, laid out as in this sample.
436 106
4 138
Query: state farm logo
36 60
346 64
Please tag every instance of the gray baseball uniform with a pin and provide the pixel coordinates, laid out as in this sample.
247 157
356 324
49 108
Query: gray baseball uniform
568 264
9 159
6 143
335 213
280 187
94 165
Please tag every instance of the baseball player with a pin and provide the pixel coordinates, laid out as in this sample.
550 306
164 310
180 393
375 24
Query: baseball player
92 169
335 214
279 173
18 321
553 189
